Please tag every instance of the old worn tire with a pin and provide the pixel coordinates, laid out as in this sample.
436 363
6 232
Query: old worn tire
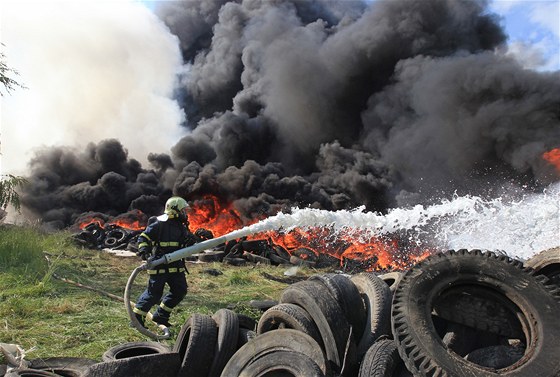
381 359
282 363
463 339
244 336
246 322
134 349
497 356
547 263
281 252
273 341
289 316
335 330
377 298
278 259
536 304
27 372
228 331
195 344
162 364
479 309
255 258
392 279
235 261
348 297
262 305
296 261
63 366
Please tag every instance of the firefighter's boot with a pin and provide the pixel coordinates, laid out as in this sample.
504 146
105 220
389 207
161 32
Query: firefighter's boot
140 316
161 317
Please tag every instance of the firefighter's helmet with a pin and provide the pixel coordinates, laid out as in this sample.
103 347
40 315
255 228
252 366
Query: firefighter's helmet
176 207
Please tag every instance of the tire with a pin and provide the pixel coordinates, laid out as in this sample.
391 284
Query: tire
246 322
118 234
134 349
305 254
244 336
479 309
281 252
262 305
273 341
195 345
463 339
296 261
255 246
255 258
392 279
228 331
63 366
496 357
235 261
216 256
162 364
26 372
289 316
536 305
328 316
236 251
278 260
110 242
348 297
377 298
282 363
381 359
547 263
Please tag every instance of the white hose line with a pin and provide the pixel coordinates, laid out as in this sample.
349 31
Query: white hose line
133 320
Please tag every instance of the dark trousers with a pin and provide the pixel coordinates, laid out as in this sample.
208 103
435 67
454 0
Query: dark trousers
177 283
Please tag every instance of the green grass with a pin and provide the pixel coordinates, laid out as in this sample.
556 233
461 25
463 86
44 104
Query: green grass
52 318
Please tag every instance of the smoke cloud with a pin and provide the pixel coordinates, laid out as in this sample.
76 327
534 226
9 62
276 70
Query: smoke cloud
325 104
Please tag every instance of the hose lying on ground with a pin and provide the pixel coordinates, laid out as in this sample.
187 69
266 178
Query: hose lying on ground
126 300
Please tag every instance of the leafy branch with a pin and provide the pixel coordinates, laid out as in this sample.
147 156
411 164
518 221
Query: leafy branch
8 190
5 72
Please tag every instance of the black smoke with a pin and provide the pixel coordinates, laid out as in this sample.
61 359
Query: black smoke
329 104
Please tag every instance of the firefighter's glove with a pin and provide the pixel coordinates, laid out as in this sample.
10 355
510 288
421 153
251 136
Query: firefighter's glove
144 254
203 234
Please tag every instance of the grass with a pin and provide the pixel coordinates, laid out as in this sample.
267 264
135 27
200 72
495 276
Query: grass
51 318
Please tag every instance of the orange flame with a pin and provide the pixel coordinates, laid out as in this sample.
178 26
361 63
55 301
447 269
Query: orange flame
553 157
218 217
374 253
208 212
133 220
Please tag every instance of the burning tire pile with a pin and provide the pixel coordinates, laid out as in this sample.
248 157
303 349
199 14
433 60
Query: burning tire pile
458 313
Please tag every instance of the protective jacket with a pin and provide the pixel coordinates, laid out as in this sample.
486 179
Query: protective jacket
164 237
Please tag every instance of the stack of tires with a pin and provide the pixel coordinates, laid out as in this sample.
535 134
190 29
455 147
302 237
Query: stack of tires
462 313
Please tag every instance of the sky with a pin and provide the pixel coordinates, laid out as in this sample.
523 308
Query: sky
107 69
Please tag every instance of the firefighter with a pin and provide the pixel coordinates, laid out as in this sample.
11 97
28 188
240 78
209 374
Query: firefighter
168 233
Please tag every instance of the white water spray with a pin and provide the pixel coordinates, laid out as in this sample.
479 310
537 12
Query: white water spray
519 228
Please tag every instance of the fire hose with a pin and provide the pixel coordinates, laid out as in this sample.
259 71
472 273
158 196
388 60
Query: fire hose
165 259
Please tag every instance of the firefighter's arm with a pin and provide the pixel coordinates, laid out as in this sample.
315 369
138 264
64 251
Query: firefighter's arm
145 243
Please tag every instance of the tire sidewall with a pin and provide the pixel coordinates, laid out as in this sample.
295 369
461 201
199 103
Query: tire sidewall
415 295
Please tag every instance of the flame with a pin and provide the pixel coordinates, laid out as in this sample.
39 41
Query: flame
213 214
553 157
133 220
373 253
209 212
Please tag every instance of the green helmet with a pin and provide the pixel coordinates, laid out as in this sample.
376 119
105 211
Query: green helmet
176 207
